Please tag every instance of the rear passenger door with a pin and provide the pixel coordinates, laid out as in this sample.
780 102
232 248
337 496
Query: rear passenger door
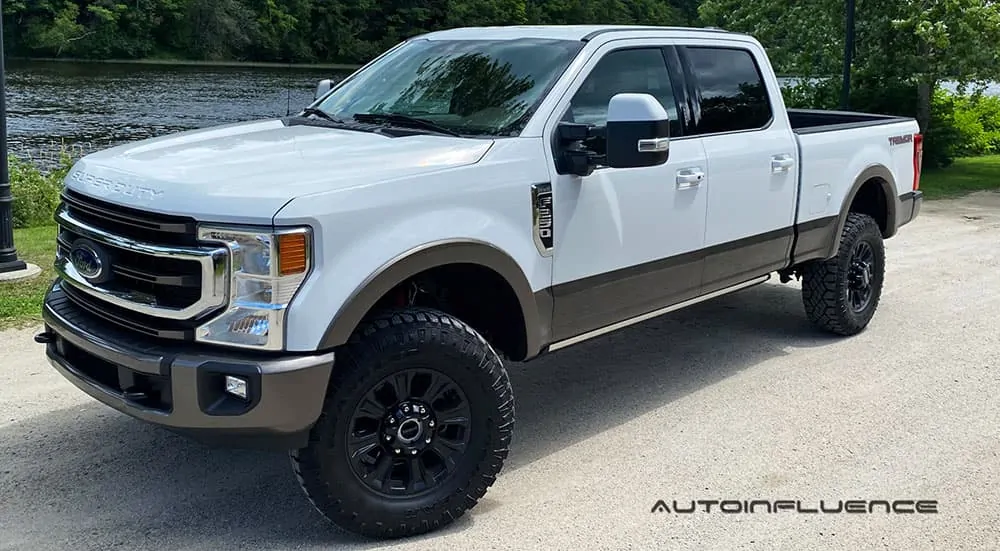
752 160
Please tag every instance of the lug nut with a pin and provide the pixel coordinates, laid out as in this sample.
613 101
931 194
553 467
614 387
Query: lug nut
430 423
388 438
392 420
406 409
413 452
427 440
397 450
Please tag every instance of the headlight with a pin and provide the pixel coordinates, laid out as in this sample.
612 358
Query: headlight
267 269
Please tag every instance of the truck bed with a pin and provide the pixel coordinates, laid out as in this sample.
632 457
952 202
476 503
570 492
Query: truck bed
811 121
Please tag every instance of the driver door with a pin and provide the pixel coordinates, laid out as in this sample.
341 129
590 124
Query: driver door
626 240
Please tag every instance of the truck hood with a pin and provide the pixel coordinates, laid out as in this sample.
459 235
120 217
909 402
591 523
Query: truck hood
246 172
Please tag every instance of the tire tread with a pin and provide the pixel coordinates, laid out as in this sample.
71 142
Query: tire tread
822 281
403 328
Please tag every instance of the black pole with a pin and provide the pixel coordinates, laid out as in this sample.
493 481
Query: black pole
8 254
845 93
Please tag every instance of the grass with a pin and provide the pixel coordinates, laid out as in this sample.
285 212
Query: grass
21 301
963 176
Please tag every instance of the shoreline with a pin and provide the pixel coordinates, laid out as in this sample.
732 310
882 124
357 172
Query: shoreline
195 63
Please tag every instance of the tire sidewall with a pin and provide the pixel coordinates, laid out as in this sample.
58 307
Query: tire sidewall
364 364
867 232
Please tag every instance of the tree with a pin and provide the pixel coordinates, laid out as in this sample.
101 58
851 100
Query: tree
904 49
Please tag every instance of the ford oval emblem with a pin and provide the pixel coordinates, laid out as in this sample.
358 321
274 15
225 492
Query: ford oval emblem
86 260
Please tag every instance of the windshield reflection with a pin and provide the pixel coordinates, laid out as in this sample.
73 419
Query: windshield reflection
472 87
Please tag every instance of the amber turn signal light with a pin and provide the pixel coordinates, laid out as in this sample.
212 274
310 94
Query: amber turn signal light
291 254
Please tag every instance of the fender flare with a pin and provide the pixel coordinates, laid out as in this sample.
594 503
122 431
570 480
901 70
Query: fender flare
432 255
888 185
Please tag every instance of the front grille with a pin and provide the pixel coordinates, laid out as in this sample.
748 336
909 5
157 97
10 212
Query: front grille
127 222
165 281
158 281
134 321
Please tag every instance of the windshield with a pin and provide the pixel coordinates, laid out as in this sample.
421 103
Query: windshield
471 87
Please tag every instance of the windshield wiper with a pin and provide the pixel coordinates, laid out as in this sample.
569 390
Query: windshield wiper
399 119
321 114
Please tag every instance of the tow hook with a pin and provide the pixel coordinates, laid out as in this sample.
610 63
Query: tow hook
45 338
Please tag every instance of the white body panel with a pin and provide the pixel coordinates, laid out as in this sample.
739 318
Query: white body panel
832 161
745 197
616 218
364 228
371 198
245 172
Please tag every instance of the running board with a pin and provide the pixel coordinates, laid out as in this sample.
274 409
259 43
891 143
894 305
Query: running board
656 313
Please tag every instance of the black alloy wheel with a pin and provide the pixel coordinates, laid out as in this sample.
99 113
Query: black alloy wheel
409 432
415 427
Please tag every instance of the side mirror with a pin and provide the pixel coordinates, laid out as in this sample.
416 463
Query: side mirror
637 133
323 87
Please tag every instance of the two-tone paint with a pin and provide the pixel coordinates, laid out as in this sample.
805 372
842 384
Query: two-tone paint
581 254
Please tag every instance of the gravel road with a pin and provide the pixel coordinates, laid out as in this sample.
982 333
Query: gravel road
734 399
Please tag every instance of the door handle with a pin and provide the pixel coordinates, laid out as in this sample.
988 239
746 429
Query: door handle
688 178
782 163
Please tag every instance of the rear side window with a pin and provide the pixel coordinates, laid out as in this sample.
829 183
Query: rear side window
733 95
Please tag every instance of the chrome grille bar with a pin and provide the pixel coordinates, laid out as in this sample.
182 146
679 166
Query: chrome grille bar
213 262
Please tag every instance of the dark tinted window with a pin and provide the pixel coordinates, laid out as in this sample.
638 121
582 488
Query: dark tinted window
733 96
622 71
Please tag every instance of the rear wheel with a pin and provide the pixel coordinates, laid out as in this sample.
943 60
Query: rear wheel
841 294
415 427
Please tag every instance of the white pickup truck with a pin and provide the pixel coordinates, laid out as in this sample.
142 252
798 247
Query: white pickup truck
342 283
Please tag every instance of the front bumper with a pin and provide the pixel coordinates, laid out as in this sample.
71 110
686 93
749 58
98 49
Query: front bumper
181 386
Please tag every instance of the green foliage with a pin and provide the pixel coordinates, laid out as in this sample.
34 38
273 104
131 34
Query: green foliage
903 52
962 126
342 31
36 192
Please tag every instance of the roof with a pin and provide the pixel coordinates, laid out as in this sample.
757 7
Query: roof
558 32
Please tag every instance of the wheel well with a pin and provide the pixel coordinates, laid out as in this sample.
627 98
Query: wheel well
871 200
473 293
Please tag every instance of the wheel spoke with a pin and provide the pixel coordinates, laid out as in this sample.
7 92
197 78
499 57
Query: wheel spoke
458 415
461 421
377 477
401 384
436 388
360 445
446 453
370 408
420 477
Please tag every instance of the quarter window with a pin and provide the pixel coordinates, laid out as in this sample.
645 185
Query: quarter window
733 94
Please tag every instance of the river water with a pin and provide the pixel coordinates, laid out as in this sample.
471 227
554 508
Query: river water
87 106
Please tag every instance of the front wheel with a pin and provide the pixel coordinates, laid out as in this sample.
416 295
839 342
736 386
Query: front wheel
415 427
841 294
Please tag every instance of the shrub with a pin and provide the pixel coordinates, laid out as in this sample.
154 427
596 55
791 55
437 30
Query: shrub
36 191
961 125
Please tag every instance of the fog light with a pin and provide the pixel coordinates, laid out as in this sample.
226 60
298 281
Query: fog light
236 386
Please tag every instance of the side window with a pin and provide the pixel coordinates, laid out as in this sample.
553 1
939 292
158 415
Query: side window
733 95
638 70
